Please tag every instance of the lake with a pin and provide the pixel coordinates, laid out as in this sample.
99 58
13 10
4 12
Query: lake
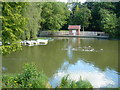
92 59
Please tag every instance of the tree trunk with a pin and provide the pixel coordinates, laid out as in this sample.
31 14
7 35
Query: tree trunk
83 30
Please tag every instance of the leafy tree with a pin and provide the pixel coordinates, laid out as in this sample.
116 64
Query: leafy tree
82 16
33 14
95 8
108 22
117 10
13 21
118 28
12 25
54 15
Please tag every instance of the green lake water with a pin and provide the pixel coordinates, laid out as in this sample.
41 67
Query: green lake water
95 60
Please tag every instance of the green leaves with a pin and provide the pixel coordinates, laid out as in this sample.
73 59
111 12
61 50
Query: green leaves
12 27
54 15
13 21
29 78
33 14
108 22
81 16
67 83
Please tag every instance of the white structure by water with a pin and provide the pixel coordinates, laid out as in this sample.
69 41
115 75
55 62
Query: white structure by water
34 42
0 43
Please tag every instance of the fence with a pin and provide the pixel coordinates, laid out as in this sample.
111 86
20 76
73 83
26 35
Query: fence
92 33
66 33
44 33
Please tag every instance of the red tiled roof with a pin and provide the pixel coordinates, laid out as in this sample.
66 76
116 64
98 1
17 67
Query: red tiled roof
74 27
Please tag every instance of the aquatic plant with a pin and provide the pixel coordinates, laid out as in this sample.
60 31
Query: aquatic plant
67 83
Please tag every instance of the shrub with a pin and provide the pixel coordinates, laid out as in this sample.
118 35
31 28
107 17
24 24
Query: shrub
8 81
84 84
67 83
7 49
30 78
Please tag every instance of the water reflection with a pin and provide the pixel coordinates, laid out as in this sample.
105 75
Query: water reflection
82 62
103 53
93 59
97 77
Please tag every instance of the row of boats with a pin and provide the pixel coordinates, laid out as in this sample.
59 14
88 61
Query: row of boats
34 42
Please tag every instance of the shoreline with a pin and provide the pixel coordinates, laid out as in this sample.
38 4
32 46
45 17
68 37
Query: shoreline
81 36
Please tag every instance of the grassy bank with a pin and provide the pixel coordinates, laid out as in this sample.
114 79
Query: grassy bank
31 78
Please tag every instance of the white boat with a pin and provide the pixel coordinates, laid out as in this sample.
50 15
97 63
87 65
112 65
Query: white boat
0 43
22 42
28 43
42 42
31 43
34 42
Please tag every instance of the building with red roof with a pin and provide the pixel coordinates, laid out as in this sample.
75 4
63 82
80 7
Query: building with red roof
74 29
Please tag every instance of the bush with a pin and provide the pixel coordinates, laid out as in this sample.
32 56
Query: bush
30 78
7 49
67 83
8 81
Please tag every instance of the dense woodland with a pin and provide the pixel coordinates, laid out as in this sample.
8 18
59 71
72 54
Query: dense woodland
25 20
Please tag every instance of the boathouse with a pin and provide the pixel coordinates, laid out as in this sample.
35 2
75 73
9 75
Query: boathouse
74 29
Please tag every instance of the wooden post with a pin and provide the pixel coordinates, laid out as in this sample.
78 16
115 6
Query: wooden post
83 30
78 31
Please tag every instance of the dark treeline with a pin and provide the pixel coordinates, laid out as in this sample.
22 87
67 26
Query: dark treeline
25 20
96 16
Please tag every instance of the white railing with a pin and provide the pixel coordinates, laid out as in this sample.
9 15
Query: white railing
82 33
54 33
91 33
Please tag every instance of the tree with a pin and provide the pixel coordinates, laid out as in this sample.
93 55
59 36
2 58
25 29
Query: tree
108 22
82 16
118 28
12 25
33 14
117 10
95 8
13 21
54 15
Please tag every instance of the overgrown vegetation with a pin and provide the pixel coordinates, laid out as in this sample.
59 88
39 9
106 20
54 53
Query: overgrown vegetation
25 20
31 78
96 16
67 83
